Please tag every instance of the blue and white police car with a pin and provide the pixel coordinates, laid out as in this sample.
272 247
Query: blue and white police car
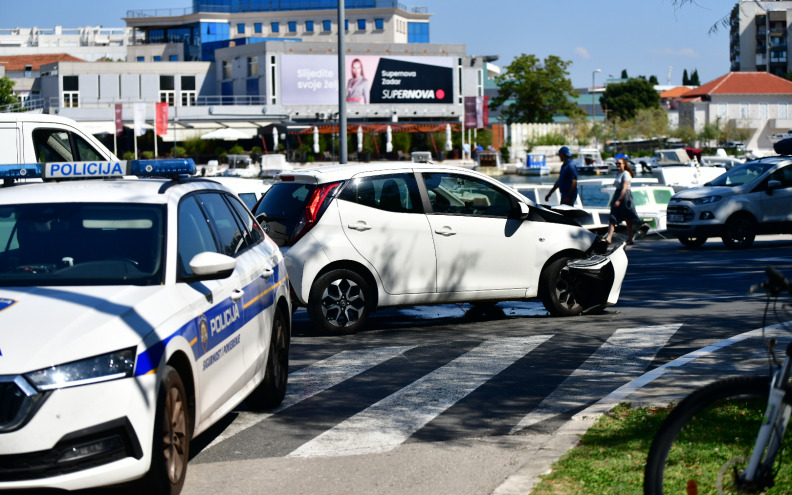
138 306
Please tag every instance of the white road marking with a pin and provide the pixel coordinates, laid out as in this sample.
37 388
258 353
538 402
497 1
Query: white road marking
625 355
388 423
316 378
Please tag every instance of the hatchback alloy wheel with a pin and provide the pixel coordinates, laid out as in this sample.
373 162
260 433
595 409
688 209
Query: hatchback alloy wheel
339 302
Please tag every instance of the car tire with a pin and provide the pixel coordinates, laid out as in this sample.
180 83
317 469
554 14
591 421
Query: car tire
173 424
340 302
739 232
272 389
692 242
557 289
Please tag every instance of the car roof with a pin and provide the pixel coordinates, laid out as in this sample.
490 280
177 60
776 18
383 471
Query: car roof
128 190
332 173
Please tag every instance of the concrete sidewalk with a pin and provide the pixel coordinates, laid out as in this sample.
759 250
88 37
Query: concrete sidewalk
743 354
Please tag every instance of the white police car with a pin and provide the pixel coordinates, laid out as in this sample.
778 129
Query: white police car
134 314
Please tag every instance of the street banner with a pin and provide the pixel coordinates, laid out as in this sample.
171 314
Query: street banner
476 112
140 118
119 121
162 118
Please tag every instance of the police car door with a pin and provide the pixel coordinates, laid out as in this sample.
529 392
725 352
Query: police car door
205 221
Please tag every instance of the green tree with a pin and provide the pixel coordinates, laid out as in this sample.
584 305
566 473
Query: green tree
624 99
536 90
624 74
7 95
653 80
685 78
694 78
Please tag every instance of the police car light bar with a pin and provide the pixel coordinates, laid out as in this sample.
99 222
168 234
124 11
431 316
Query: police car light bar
27 171
96 170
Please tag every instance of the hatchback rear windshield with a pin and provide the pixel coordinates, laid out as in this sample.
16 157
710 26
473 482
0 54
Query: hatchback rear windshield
283 205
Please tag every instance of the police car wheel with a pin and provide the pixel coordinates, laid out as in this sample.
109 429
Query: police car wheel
558 291
340 302
272 390
171 440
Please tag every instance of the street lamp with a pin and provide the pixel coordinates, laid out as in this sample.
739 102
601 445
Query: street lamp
594 105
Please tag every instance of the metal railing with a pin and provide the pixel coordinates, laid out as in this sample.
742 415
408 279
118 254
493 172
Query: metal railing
275 7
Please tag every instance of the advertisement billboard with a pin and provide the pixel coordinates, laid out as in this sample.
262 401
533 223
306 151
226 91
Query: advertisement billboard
313 80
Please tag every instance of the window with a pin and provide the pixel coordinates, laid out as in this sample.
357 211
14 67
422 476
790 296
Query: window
240 28
275 27
257 28
188 93
361 24
346 25
462 195
782 110
309 26
71 91
158 58
744 110
763 111
194 235
167 89
379 24
173 58
28 71
252 66
722 111
397 193
417 32
232 236
227 69
55 145
292 26
141 59
327 26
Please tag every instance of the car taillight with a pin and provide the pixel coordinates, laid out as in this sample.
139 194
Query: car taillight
314 208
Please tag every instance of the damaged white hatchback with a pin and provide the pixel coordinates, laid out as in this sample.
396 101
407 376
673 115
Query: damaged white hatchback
358 237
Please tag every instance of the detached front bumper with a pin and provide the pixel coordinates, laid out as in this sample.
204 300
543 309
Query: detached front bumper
598 279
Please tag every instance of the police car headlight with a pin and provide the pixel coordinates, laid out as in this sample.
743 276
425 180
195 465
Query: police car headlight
706 200
111 366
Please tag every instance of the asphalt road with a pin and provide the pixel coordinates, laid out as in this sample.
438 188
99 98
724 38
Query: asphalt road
453 399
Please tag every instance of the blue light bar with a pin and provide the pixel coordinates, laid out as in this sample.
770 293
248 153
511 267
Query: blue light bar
22 171
160 168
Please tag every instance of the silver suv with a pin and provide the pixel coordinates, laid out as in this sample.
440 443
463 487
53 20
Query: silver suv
750 199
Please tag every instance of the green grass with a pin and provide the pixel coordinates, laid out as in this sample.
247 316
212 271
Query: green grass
610 457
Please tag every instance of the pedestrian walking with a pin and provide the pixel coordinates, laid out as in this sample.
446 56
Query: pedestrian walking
623 206
567 178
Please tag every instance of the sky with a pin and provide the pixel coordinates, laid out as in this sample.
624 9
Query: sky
643 37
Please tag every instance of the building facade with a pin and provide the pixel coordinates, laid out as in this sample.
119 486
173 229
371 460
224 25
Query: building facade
760 37
196 33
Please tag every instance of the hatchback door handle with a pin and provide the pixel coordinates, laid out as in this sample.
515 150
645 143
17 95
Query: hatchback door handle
445 231
360 225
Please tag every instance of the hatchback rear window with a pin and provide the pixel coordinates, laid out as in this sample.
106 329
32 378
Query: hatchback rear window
283 205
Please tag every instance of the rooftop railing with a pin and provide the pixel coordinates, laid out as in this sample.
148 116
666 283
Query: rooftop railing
350 4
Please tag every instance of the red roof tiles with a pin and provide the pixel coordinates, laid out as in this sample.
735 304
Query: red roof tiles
737 83
19 62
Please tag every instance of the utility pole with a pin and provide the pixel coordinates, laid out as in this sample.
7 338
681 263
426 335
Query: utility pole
342 114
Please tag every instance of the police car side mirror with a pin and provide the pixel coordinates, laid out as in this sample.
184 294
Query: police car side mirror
211 266
521 211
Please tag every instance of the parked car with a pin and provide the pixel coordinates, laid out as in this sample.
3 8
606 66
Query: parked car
750 199
248 190
135 314
357 238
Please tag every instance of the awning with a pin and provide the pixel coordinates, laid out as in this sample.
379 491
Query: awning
98 127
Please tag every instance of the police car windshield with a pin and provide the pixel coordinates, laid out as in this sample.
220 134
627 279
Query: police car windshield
64 244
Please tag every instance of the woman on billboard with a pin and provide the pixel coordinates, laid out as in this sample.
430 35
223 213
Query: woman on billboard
357 85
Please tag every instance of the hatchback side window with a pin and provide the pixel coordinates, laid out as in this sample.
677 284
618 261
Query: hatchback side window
395 192
195 236
464 195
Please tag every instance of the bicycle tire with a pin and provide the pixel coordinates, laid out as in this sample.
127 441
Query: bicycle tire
699 442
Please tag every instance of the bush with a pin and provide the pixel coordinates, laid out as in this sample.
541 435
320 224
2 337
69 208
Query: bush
237 150
178 151
128 155
148 155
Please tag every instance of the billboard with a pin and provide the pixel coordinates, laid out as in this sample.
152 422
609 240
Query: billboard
313 80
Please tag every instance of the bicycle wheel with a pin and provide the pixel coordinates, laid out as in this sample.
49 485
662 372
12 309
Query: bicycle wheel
708 438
